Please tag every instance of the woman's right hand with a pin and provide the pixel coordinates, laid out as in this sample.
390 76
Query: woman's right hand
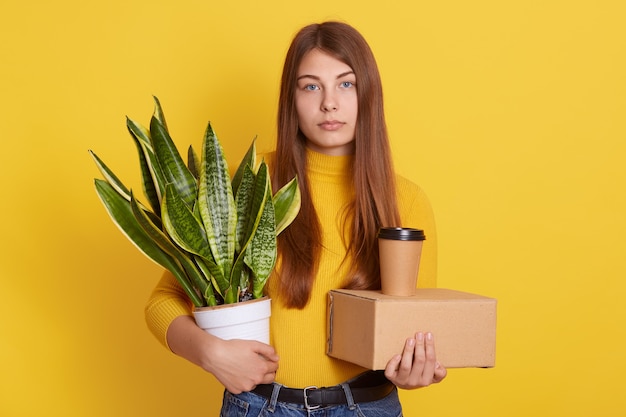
239 365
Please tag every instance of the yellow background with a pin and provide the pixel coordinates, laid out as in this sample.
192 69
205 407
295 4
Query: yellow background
511 115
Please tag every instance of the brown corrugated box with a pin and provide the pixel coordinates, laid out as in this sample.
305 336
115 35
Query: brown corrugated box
368 328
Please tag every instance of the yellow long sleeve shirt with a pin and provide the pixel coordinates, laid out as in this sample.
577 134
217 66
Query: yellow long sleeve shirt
299 336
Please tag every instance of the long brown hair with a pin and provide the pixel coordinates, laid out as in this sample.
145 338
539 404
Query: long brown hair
375 202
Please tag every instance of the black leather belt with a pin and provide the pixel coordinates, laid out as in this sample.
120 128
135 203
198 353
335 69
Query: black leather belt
369 386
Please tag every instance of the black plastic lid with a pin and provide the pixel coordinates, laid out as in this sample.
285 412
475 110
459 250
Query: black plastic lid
401 233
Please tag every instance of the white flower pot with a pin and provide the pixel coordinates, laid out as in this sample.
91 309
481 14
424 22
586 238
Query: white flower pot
249 320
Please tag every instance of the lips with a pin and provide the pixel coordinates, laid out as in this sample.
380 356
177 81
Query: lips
331 125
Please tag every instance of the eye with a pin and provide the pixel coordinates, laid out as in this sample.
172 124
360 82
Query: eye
311 87
347 84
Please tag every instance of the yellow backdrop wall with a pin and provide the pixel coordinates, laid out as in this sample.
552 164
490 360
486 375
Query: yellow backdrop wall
510 115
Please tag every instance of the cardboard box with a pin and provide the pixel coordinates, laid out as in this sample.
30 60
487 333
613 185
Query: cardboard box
368 328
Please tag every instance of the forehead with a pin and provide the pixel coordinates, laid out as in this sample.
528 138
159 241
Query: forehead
319 63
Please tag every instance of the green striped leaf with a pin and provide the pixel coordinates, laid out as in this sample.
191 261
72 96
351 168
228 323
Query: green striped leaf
249 160
110 177
244 201
252 253
158 112
139 132
193 283
119 187
182 226
169 160
151 173
258 197
152 182
193 162
188 232
286 205
261 252
120 211
216 203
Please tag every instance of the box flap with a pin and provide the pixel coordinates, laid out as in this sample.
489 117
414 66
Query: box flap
425 294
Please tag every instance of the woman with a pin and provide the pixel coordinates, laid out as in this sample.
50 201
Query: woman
332 135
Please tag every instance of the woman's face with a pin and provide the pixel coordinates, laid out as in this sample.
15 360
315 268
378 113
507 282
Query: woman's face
326 102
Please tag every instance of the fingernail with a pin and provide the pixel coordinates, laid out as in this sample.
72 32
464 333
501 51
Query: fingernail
429 336
420 336
411 341
437 365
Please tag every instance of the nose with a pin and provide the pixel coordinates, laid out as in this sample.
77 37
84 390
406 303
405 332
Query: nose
329 102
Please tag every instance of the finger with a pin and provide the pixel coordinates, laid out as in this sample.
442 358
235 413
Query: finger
420 353
269 378
440 373
406 363
391 370
271 366
267 351
430 356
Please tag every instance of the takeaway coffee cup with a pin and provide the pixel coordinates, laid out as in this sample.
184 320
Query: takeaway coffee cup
400 250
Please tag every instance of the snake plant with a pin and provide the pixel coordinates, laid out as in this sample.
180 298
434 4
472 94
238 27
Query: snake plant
217 236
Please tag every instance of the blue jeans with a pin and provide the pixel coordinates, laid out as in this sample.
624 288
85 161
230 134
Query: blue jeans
249 404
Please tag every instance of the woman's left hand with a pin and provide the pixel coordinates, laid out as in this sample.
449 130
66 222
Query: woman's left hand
417 366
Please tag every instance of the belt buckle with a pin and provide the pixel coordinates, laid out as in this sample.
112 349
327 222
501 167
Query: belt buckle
306 401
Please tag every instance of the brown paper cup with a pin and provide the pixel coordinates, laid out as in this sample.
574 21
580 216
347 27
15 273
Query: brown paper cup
400 250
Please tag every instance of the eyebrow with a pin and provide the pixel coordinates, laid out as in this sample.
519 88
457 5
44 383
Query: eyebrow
315 77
